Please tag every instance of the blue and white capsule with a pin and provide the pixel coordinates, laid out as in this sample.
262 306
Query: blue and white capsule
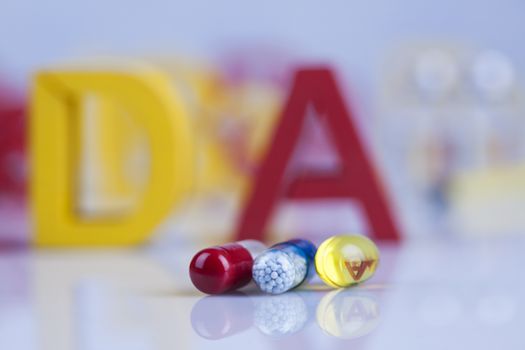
284 266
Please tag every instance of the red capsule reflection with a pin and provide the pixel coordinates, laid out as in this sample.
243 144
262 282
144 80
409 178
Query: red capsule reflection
220 316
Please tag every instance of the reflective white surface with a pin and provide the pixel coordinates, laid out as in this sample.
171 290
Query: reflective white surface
426 295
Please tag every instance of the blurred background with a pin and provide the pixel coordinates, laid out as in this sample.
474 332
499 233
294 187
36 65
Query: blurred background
436 90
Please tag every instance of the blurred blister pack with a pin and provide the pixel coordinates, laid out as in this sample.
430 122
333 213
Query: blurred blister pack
448 116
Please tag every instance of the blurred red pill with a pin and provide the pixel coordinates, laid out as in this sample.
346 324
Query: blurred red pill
12 142
224 268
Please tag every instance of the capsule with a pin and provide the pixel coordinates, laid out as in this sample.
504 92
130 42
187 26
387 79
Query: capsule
345 260
225 268
284 266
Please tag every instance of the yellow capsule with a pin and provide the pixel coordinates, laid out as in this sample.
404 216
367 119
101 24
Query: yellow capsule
342 261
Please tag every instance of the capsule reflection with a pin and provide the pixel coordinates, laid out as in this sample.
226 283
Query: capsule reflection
343 313
347 314
280 315
220 316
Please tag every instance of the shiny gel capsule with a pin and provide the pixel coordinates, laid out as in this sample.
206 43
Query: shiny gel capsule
342 261
224 268
284 266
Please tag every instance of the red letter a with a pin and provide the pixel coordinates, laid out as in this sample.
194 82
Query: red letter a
355 180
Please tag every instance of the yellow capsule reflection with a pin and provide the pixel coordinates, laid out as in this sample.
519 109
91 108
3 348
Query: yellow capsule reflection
345 314
345 260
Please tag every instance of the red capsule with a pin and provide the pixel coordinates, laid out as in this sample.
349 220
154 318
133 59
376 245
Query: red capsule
224 268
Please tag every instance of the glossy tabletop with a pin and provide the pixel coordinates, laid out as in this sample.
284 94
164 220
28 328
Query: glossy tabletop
425 295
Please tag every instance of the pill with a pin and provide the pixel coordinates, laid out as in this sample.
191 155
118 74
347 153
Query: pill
284 266
224 268
345 260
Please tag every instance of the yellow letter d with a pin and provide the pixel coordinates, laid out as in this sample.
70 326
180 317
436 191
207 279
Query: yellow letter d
55 139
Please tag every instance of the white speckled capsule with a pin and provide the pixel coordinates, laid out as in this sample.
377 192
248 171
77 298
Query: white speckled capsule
284 266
